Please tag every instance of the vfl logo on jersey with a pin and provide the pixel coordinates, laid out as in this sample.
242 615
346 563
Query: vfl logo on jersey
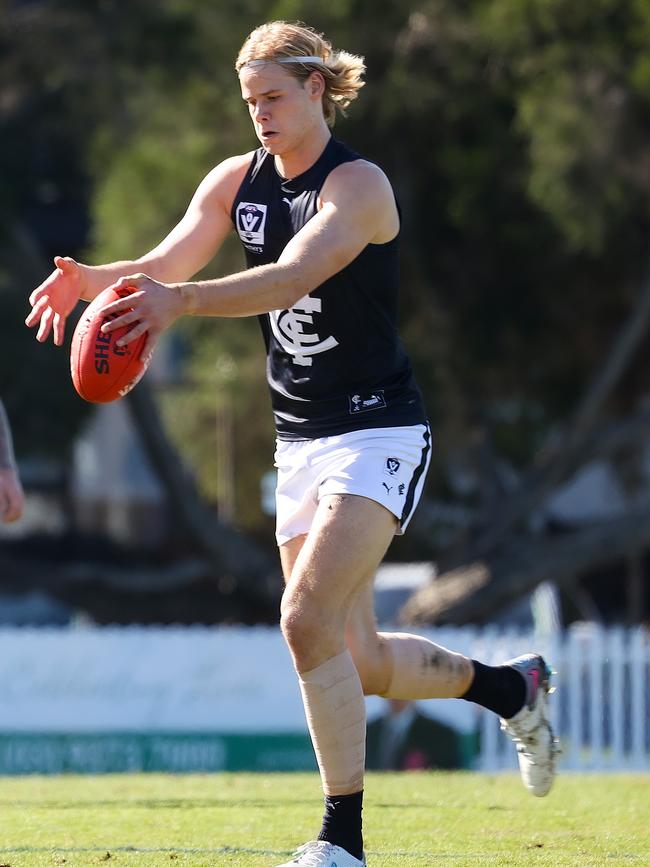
365 402
287 326
251 220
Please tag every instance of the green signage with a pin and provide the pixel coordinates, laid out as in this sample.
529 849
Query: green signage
153 751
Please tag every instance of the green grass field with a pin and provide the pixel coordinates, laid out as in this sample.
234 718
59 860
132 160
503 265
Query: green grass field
247 819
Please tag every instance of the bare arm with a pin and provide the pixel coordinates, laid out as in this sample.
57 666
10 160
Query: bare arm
12 499
7 459
191 244
357 208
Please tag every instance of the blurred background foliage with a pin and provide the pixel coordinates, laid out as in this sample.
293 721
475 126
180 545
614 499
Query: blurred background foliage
515 133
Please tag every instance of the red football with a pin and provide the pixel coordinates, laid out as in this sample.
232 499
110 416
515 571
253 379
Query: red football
102 371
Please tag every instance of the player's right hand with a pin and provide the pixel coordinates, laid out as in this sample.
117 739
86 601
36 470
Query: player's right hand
55 298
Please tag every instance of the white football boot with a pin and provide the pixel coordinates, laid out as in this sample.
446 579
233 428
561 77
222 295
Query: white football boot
530 729
318 853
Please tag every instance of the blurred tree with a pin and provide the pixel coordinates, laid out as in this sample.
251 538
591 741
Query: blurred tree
479 135
64 71
514 132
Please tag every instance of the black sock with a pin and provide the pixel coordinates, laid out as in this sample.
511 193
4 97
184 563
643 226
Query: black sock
499 688
342 822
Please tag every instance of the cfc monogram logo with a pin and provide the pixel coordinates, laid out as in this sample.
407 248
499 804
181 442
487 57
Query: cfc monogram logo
288 328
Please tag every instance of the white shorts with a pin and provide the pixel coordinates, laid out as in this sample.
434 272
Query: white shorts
387 465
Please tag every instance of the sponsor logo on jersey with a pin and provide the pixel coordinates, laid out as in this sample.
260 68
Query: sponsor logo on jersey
365 402
250 220
288 329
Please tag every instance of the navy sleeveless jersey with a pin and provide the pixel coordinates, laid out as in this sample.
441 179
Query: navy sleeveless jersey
335 362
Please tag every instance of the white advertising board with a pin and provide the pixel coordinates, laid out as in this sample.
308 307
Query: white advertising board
154 679
189 679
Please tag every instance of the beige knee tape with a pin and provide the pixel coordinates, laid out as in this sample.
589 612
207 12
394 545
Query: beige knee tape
422 669
336 715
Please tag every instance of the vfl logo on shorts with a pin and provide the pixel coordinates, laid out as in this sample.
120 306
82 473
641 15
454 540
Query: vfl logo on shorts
365 402
392 466
251 220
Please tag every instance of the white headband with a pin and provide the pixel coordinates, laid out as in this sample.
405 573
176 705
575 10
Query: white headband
306 58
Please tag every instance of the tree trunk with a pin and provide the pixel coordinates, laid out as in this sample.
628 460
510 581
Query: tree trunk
476 592
560 455
232 555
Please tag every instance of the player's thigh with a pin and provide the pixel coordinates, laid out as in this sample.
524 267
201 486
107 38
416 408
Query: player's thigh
361 638
361 625
368 651
340 555
289 554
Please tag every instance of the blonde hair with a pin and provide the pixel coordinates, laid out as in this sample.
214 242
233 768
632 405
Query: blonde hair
277 40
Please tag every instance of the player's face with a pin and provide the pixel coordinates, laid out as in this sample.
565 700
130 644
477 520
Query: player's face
284 109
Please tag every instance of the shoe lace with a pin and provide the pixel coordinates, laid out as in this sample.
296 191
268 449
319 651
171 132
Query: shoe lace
520 734
527 742
311 854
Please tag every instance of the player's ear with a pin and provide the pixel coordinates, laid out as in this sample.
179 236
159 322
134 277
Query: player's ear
316 84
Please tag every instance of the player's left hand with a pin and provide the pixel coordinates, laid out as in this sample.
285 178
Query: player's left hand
152 307
12 498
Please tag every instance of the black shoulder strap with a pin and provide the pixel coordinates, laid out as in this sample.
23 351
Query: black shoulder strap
258 162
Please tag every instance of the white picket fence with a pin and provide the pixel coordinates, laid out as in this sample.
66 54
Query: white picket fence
601 706
205 682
